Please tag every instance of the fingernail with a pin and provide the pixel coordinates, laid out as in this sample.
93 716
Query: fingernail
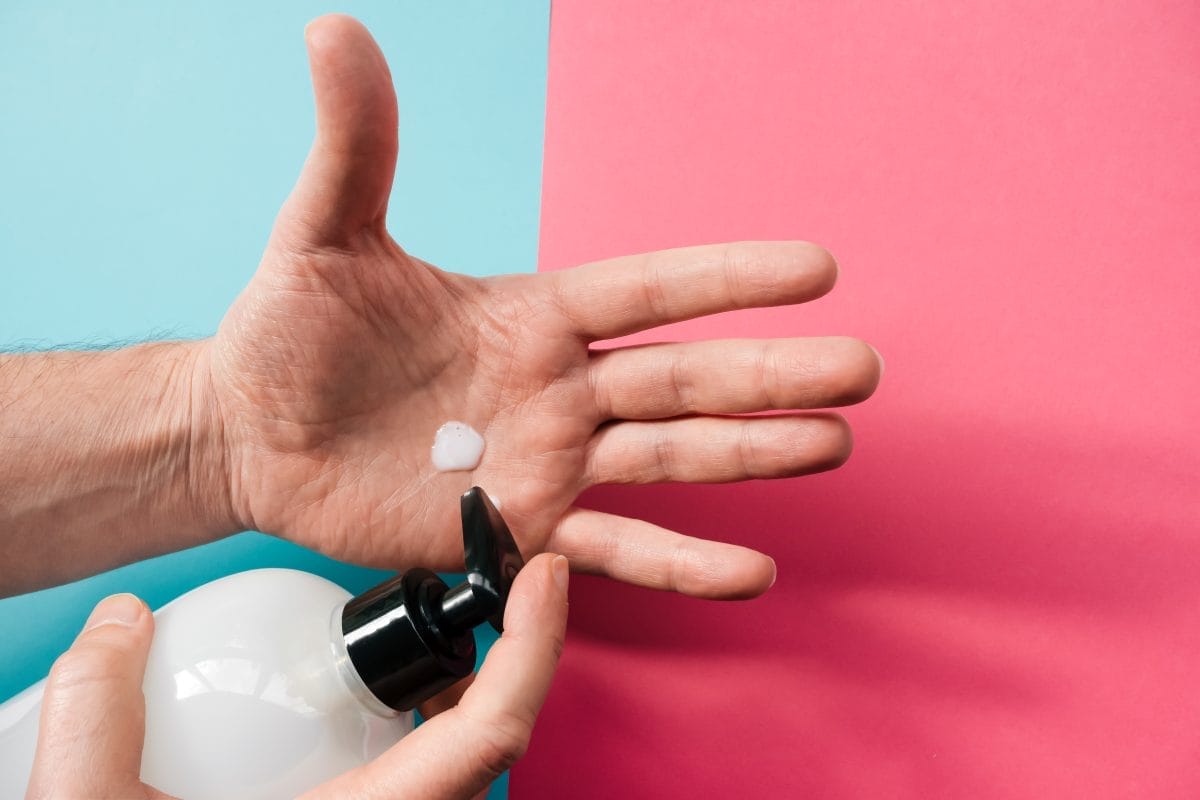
119 609
562 571
774 573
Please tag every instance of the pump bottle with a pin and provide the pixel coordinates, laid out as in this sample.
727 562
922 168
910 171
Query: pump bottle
266 683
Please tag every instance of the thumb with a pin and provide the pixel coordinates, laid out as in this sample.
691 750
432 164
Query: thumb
93 712
346 180
461 750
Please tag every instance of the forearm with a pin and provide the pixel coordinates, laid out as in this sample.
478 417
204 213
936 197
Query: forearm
106 458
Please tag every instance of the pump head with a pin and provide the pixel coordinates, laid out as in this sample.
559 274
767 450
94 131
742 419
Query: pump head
412 636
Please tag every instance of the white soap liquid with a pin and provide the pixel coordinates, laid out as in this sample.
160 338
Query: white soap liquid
457 447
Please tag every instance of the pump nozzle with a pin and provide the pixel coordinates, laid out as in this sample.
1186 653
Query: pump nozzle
493 560
411 636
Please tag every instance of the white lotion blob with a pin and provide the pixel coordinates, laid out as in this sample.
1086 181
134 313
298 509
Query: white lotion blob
457 447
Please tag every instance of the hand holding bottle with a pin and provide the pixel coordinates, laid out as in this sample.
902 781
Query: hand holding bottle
311 412
90 741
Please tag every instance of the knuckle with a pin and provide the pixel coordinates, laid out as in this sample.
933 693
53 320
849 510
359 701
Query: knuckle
681 385
813 375
85 664
746 276
600 385
773 273
749 461
654 288
771 364
501 742
791 378
681 574
557 644
795 271
663 457
693 570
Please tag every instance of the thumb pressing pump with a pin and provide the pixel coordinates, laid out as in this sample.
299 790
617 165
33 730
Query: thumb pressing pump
266 683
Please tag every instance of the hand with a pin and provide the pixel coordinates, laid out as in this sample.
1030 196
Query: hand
337 364
92 724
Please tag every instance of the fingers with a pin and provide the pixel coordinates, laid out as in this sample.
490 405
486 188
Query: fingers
733 376
623 295
717 449
461 750
637 552
347 178
93 713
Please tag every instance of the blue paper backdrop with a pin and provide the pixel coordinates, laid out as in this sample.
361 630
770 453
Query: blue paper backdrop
144 150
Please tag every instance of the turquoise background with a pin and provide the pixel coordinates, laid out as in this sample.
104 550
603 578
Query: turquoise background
144 150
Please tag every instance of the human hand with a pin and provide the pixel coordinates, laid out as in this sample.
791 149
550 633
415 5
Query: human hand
92 725
334 368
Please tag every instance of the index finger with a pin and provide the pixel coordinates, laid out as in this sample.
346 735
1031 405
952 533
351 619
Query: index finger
612 298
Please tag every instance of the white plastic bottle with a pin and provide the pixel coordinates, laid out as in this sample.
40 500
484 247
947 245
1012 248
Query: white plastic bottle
266 683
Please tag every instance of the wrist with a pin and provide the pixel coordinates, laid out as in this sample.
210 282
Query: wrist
206 465
109 457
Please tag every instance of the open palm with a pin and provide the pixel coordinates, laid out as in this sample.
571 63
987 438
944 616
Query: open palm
345 354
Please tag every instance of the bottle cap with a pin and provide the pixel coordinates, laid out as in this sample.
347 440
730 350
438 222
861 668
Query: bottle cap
412 636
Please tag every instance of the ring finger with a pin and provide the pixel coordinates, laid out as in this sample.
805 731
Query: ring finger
717 449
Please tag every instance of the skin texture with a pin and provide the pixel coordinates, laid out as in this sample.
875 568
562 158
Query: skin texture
335 367
93 713
311 413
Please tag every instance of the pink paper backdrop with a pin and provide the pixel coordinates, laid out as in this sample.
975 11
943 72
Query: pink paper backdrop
999 596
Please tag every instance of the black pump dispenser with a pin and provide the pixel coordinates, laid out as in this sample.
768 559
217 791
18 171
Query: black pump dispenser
412 636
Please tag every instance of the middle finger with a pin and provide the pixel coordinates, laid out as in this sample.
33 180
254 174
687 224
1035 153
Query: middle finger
733 376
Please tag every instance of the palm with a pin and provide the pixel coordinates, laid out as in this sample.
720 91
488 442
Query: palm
342 424
345 354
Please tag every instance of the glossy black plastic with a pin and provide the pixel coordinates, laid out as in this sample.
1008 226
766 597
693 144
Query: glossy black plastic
411 636
493 561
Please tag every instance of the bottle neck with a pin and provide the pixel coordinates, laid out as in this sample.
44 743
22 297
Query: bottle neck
349 676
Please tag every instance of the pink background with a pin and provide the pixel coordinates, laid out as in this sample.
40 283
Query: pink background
999 596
